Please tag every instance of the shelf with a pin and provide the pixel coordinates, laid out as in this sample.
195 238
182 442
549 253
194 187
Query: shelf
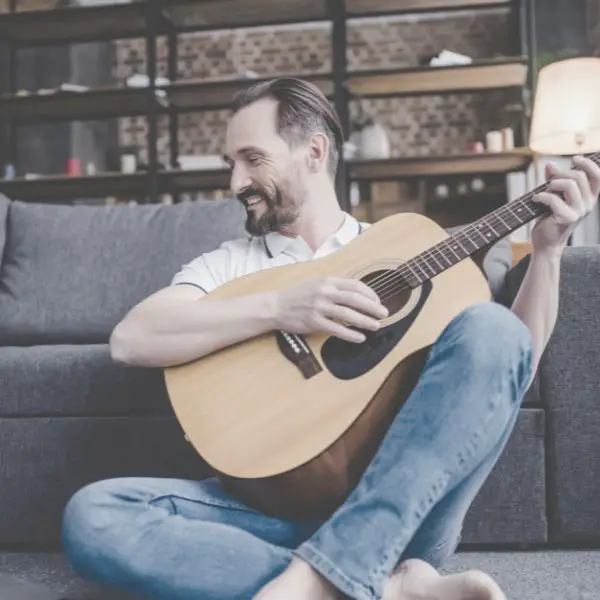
478 76
371 8
398 168
197 95
190 180
73 106
117 184
75 24
198 15
62 187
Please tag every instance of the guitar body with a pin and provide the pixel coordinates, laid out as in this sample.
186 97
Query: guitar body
290 423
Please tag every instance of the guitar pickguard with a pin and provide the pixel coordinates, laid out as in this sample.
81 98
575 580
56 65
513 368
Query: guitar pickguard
347 360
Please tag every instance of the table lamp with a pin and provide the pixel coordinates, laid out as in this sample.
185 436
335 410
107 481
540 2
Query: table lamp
566 122
566 110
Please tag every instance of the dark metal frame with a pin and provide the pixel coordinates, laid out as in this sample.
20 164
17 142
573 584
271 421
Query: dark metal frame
158 23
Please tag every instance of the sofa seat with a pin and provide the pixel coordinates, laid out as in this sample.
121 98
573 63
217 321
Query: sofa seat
551 575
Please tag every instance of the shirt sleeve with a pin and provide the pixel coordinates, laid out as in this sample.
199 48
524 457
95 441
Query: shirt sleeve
209 270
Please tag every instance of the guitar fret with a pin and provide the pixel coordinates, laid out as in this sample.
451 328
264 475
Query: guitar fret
486 236
435 259
475 236
409 265
502 221
514 214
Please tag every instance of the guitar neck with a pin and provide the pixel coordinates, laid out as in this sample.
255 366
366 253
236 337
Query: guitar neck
480 234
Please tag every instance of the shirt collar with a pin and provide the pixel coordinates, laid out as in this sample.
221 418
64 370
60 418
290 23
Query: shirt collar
276 243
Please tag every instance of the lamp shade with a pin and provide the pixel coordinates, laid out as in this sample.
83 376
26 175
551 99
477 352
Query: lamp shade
566 110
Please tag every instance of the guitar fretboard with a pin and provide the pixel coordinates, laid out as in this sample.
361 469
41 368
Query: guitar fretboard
483 232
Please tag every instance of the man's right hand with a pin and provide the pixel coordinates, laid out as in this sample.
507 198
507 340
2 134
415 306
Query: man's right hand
330 305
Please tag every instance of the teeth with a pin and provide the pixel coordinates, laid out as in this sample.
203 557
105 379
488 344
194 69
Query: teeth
253 200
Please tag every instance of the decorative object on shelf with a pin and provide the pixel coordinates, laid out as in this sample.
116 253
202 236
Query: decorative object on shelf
446 58
508 139
128 163
493 141
74 167
369 136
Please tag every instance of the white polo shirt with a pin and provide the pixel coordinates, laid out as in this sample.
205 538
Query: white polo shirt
246 255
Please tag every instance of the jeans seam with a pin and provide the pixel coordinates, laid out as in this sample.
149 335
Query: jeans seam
214 503
439 485
350 585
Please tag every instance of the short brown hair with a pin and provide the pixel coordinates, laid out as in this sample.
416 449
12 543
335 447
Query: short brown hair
302 111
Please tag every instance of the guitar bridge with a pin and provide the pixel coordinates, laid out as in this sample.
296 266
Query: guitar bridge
297 351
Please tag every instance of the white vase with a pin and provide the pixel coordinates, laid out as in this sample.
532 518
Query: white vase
374 141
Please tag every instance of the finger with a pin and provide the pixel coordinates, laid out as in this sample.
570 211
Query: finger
592 170
571 194
561 210
361 303
354 285
579 177
350 317
340 331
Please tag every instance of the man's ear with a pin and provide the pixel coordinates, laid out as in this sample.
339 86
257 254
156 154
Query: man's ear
318 151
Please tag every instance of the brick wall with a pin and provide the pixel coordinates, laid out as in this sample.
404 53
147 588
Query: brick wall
417 126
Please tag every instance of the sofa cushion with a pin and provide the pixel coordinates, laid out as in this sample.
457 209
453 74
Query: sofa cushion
73 380
510 508
70 273
570 382
46 460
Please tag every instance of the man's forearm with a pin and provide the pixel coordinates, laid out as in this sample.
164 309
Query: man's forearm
536 303
160 333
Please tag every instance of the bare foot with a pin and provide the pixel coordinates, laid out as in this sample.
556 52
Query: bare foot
299 582
417 580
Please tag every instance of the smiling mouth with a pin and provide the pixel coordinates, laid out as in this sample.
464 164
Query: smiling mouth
252 200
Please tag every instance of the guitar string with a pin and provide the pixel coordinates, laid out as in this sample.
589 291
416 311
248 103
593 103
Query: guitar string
464 233
384 284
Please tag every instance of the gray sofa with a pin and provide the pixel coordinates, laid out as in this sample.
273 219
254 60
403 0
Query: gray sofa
68 416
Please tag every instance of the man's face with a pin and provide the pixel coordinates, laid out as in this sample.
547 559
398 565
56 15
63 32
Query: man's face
268 176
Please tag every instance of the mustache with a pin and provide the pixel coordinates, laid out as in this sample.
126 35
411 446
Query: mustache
244 195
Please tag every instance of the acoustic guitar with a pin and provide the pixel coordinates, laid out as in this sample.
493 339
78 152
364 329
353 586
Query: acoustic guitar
290 422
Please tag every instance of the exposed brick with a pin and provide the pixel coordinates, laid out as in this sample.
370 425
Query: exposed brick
417 126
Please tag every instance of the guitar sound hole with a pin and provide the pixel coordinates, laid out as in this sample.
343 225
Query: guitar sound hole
392 290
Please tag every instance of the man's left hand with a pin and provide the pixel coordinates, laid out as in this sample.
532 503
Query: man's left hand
571 196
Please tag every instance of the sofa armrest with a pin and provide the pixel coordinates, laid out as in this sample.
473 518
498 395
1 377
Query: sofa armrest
76 380
568 384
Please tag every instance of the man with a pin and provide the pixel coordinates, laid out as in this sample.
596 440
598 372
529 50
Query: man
187 540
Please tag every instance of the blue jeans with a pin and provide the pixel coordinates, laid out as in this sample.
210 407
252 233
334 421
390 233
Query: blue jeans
189 540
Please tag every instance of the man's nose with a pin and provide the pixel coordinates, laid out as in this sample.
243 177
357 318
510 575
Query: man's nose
240 179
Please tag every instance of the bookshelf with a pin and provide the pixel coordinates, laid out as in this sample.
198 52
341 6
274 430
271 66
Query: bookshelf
150 19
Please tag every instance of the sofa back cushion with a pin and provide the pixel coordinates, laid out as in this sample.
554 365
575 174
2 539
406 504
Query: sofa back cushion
70 273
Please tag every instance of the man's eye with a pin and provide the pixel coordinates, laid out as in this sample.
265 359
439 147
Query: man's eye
253 159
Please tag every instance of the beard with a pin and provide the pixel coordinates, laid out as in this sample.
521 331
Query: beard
279 210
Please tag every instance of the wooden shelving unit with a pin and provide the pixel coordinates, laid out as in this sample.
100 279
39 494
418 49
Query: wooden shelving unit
478 76
177 181
200 15
369 8
394 168
85 105
152 18
76 25
185 96
53 188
